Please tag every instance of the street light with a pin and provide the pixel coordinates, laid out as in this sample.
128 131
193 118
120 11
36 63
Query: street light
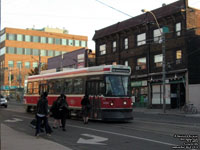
163 62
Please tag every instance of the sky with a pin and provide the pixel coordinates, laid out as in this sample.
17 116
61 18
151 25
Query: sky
79 17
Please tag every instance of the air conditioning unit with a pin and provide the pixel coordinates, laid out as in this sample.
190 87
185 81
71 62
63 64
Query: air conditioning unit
138 67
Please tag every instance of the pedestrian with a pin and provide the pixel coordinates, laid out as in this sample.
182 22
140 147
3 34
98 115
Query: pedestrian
42 114
86 106
56 113
63 110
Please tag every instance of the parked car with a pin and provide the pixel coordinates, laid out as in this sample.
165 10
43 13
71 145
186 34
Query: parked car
3 101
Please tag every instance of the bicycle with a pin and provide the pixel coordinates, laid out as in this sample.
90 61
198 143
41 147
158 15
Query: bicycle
190 108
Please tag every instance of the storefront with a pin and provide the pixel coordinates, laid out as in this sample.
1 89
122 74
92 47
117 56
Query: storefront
174 90
139 91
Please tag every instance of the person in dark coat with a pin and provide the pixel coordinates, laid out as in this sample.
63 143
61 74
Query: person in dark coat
42 114
56 113
59 111
85 108
63 110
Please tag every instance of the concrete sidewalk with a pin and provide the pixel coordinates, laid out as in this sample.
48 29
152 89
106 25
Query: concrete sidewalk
14 140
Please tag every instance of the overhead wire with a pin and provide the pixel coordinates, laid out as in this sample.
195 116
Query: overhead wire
114 8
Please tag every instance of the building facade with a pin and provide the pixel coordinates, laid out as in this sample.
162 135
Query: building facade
24 49
73 60
137 42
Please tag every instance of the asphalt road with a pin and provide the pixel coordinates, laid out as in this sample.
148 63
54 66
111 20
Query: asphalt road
145 132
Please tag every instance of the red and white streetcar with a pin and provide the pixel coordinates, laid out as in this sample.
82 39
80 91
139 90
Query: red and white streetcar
107 86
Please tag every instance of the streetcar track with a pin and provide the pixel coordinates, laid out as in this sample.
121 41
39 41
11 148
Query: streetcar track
110 132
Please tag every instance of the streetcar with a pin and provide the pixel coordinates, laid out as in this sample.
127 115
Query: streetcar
108 87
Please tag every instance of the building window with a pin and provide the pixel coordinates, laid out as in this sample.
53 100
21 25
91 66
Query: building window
27 65
102 49
157 35
178 56
43 52
141 39
126 43
83 43
50 53
58 41
27 51
19 37
77 43
114 46
2 51
11 63
11 36
27 38
142 63
64 42
35 52
126 63
19 51
57 53
70 42
10 77
43 40
3 37
11 50
178 29
36 39
19 64
50 40
35 64
158 60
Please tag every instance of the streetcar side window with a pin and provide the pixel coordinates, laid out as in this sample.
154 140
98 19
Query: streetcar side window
58 87
30 88
52 87
35 88
78 86
43 88
95 88
101 88
68 86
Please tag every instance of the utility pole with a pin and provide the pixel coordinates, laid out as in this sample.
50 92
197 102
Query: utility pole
20 76
39 66
163 60
163 71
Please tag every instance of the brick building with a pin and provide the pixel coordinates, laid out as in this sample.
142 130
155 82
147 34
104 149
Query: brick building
137 42
22 49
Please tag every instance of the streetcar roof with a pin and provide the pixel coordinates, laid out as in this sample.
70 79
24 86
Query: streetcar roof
96 70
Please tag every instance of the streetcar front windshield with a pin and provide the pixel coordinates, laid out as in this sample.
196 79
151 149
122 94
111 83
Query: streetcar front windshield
117 85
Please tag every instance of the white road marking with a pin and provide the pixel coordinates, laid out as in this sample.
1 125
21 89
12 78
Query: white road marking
118 134
125 135
93 140
13 120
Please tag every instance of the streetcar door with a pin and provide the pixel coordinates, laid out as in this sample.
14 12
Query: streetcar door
94 92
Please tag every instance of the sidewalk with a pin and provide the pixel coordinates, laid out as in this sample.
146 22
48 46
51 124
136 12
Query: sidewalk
175 112
14 140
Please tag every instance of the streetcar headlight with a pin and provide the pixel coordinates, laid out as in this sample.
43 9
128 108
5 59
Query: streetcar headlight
131 103
111 104
124 102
